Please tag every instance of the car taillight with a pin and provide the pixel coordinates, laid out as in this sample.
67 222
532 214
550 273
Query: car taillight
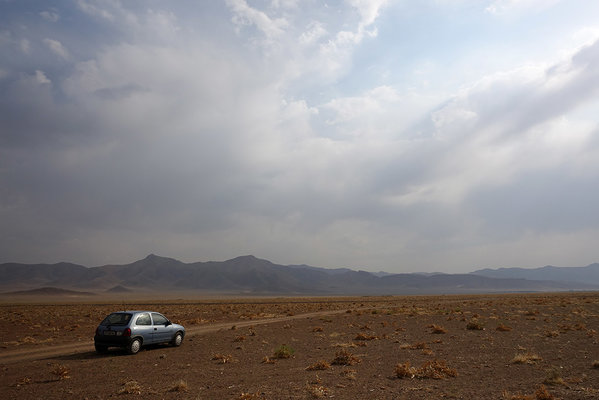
97 330
127 332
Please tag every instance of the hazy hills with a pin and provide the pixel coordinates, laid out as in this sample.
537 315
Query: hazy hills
251 275
588 274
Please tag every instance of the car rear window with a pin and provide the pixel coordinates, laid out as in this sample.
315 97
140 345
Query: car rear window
117 319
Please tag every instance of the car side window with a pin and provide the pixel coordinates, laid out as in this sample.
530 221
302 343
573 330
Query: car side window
159 319
144 319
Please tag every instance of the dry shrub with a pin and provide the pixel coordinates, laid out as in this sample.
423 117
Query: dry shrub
429 370
543 394
130 387
283 351
23 381
362 336
405 370
250 396
317 391
345 345
475 325
554 377
415 346
319 366
344 357
222 358
349 374
268 360
60 371
525 358
503 328
179 386
437 329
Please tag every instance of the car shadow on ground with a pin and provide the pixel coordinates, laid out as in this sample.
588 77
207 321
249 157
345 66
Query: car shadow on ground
112 352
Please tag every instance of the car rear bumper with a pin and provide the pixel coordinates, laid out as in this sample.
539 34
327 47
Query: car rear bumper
112 341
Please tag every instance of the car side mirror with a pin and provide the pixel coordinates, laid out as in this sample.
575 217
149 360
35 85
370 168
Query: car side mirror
167 323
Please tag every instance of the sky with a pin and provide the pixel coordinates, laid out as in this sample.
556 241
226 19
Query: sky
395 135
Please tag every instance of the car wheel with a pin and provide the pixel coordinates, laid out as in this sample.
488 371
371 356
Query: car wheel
134 346
100 348
177 340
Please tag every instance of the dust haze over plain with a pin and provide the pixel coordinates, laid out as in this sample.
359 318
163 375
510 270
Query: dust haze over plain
385 135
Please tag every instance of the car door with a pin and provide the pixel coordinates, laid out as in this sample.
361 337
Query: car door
162 328
143 327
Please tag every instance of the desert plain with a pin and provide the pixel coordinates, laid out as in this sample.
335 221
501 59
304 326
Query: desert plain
499 346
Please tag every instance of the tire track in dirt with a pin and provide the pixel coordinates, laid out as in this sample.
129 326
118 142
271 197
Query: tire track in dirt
40 353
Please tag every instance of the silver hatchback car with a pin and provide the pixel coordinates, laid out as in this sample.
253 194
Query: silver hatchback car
133 329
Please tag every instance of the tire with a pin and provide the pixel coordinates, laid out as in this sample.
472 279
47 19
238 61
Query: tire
100 348
134 346
177 340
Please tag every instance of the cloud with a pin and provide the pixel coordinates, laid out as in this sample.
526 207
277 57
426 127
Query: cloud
503 7
90 8
244 15
50 16
264 128
41 78
57 48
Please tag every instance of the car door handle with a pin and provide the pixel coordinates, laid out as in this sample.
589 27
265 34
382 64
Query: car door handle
155 329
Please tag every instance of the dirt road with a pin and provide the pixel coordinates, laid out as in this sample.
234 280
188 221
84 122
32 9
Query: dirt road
43 352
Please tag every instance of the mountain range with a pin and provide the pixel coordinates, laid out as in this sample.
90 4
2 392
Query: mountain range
250 275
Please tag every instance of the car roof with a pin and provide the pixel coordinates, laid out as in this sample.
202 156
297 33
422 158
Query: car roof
135 312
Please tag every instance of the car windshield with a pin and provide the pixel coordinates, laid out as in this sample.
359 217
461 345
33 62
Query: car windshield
117 319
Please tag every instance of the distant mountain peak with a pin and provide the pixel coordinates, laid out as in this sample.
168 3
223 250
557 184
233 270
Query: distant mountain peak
246 257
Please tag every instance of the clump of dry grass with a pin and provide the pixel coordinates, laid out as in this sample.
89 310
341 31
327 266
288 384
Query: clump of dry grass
268 360
130 387
250 396
349 374
239 339
319 366
554 377
61 371
23 381
437 329
543 394
415 346
525 358
317 391
283 351
222 358
344 357
540 394
429 370
362 336
503 328
179 386
475 325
